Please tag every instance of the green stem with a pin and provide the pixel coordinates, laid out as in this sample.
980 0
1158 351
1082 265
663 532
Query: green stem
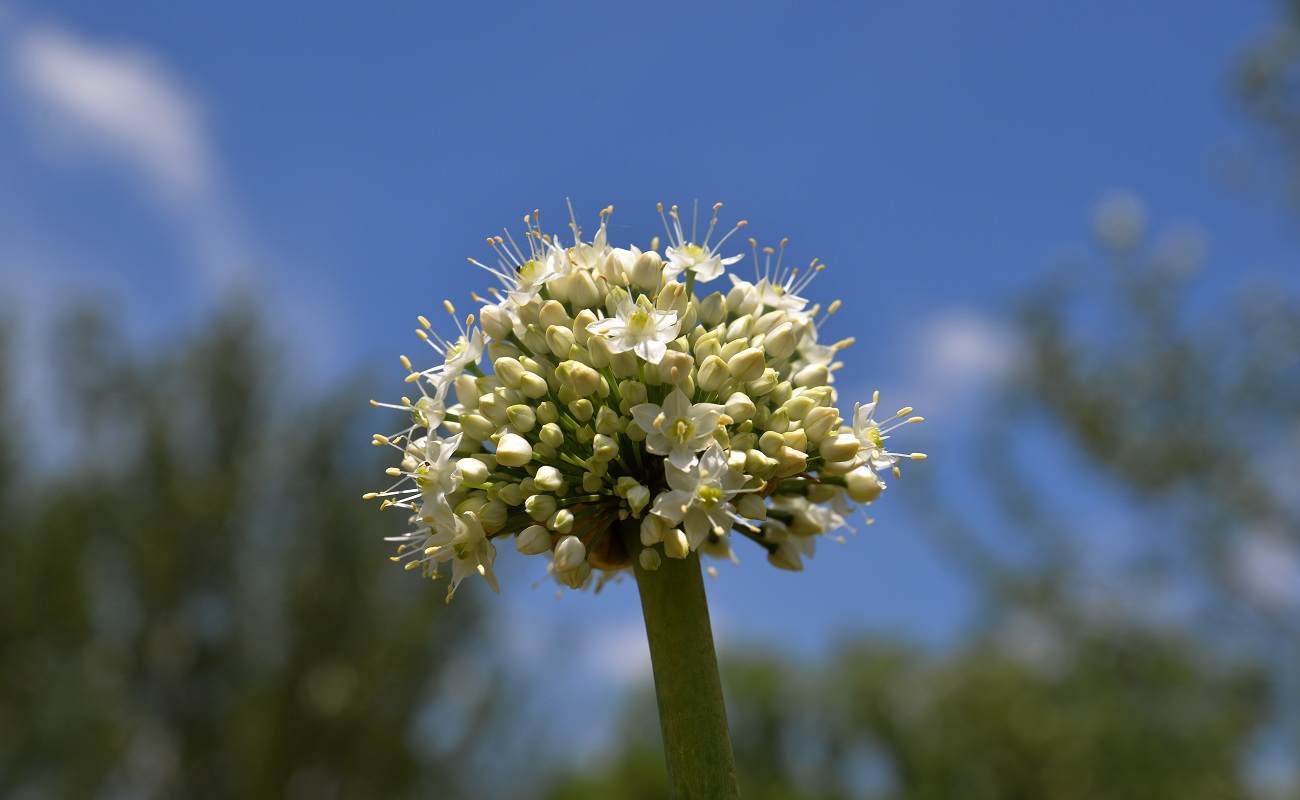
692 717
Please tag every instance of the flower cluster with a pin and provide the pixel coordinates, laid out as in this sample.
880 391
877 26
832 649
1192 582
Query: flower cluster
621 388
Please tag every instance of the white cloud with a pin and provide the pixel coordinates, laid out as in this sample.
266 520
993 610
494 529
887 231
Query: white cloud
120 100
959 354
120 103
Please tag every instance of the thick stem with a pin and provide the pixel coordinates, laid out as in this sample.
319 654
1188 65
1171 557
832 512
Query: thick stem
692 717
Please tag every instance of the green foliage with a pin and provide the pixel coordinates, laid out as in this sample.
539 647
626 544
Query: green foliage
1117 713
197 603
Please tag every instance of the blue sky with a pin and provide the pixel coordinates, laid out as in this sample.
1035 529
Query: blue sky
345 162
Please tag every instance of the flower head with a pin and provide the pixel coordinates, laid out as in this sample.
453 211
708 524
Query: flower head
613 391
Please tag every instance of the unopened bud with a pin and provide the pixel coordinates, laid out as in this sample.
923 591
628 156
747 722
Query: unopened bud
862 485
548 479
472 471
676 544
521 416
540 506
513 451
561 521
747 365
533 540
569 553
713 374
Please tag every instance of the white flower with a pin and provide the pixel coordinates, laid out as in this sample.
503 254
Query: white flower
699 496
677 429
699 258
871 440
534 273
438 473
462 541
639 327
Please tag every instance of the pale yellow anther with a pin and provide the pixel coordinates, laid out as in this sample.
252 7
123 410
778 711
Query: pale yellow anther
843 343
469 320
717 206
713 572
380 439
423 336
412 378
898 473
904 411
918 456
394 471
446 304
835 306
369 495
374 402
406 401
410 565
406 362
742 223
424 322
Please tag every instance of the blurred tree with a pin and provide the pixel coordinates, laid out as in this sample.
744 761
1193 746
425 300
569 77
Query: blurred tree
1113 712
197 603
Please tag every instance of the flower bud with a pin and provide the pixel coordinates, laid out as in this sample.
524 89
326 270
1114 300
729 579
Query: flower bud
553 314
786 556
583 292
634 393
782 392
584 380
493 516
713 309
551 435
764 385
817 423
561 521
676 545
603 448
768 321
812 375
560 340
650 559
736 459
862 485
638 497
673 298
675 367
496 322
623 365
740 407
822 493
790 461
522 417
509 370
533 540
647 272
606 421
548 479
592 483
780 342
796 408
738 329
513 451
653 529
842 447
569 553
547 412
580 333
476 426
466 390
535 339
713 373
747 365
576 578
770 442
540 506
581 409
533 386
759 465
510 494
743 299
472 471
598 350
751 506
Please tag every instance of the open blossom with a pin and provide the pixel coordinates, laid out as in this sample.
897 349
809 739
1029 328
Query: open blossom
638 327
618 408
698 497
701 260
678 429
